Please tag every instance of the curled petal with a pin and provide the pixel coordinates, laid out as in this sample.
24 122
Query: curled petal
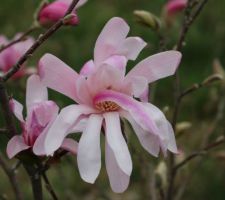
119 181
127 103
61 127
58 76
88 68
157 66
16 145
89 150
17 109
117 142
36 92
70 145
111 37
131 47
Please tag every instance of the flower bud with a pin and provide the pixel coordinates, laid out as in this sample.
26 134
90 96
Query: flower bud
175 6
52 12
211 79
148 19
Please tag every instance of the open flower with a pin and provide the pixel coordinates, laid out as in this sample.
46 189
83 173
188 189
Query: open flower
40 115
11 55
105 95
52 12
175 6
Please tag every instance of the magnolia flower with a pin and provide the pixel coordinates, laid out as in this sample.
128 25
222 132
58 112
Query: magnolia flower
40 115
11 55
175 6
105 95
52 12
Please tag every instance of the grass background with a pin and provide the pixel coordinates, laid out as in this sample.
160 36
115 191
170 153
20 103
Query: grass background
204 43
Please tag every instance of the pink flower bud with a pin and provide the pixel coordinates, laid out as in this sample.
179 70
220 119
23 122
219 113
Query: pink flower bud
52 12
175 6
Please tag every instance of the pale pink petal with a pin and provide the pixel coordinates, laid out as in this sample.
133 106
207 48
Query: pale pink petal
165 130
149 141
70 145
144 97
119 181
58 76
119 62
117 142
157 66
23 46
131 47
17 109
111 37
16 145
127 103
36 92
81 3
88 68
89 150
62 125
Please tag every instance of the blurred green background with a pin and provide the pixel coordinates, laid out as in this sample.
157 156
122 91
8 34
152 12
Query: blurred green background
74 46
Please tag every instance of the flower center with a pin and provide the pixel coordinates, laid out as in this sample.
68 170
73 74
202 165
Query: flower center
107 106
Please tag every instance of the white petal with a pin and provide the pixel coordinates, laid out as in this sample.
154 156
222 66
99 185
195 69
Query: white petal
89 150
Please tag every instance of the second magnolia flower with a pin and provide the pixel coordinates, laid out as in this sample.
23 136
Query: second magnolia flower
104 94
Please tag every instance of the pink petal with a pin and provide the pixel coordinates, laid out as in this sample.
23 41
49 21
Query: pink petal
144 97
127 103
89 150
36 92
88 68
149 141
166 133
58 76
62 125
117 142
111 37
119 62
81 3
17 109
131 47
16 145
157 66
119 181
70 145
23 46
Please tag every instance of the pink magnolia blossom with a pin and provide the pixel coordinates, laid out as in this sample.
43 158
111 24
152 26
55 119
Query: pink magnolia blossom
105 95
11 55
41 113
52 12
175 6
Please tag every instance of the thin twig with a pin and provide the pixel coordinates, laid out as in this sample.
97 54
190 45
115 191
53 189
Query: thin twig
19 39
49 186
41 39
200 152
12 178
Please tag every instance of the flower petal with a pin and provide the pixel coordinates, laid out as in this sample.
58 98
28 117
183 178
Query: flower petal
62 125
36 92
157 66
165 130
149 141
117 142
89 150
131 47
17 109
88 68
111 37
135 108
16 145
119 181
58 76
70 145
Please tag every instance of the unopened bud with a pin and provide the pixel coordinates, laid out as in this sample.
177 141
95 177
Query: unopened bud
182 126
148 19
161 171
217 68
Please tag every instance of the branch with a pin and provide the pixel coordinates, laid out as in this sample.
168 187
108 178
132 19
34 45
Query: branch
12 178
200 152
42 38
49 186
21 38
